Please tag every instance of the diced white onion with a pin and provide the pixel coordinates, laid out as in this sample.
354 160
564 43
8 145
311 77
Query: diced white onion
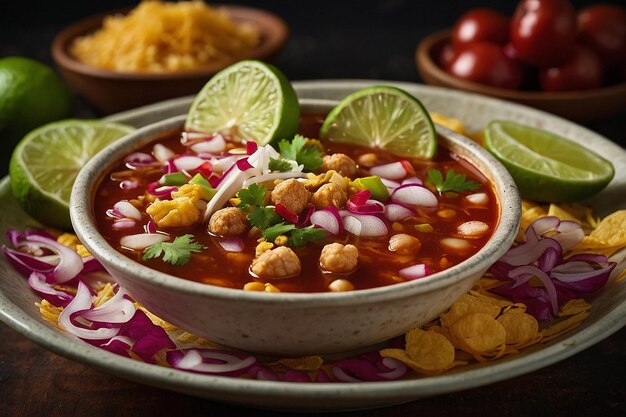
188 162
478 199
162 153
127 210
215 145
141 241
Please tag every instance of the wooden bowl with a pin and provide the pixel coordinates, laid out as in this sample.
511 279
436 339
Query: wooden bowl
580 106
112 91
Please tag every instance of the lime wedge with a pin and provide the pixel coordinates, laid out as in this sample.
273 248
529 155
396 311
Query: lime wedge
383 117
545 166
249 100
46 162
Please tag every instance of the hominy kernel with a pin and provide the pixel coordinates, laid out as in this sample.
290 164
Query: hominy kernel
281 240
340 285
473 228
367 160
446 213
254 286
262 247
397 227
271 288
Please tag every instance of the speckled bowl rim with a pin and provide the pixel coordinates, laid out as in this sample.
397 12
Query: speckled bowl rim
81 212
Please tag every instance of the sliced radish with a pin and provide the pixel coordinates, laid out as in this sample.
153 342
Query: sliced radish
164 193
391 171
391 185
412 180
138 159
395 212
127 210
123 224
369 207
232 245
329 220
365 225
414 195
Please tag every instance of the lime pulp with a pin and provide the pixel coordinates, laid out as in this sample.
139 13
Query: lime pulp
249 100
46 162
383 117
546 166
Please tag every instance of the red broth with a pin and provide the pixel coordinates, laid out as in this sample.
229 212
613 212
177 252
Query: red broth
377 265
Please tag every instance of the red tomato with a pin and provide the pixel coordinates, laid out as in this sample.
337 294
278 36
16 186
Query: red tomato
530 79
543 31
603 29
582 71
485 63
481 25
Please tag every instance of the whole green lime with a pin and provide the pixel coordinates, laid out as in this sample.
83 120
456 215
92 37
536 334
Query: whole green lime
31 94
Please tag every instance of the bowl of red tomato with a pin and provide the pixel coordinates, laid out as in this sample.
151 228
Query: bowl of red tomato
547 55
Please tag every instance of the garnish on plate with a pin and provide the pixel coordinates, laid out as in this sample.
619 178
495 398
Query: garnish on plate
484 325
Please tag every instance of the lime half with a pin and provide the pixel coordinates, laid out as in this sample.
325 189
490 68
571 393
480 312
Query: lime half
249 100
545 166
383 117
46 162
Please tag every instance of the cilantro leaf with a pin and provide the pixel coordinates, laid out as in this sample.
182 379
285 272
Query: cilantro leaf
296 150
177 252
300 237
271 233
279 165
452 182
263 217
254 195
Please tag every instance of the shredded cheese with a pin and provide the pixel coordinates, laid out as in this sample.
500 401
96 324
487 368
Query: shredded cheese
166 37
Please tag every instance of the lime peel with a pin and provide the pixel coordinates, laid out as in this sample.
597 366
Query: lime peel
546 166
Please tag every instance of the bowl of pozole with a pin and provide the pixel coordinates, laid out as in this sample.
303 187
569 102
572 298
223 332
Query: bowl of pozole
235 243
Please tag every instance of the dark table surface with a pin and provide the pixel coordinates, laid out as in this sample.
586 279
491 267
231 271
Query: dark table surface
329 40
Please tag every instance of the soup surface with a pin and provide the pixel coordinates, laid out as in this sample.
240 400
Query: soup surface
383 227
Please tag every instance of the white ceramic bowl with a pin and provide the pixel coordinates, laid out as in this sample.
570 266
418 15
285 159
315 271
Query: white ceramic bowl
290 324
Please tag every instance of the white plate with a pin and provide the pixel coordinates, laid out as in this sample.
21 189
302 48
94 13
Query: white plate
607 316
